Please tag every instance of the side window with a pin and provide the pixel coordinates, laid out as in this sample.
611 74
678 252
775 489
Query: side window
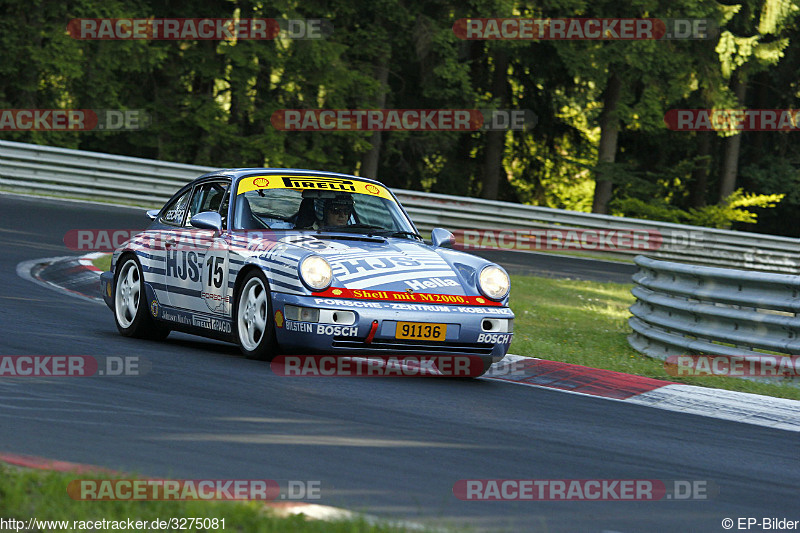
223 209
207 197
173 214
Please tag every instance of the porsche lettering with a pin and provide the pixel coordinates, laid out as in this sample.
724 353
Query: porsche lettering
348 303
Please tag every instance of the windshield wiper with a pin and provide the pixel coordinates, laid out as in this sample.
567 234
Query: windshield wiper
348 227
376 230
399 234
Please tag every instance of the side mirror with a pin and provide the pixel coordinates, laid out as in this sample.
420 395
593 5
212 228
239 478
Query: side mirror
207 220
153 213
441 237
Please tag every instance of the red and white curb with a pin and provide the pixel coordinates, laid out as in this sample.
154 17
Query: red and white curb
777 413
87 261
26 269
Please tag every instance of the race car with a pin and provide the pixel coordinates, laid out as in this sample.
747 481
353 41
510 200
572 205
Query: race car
299 261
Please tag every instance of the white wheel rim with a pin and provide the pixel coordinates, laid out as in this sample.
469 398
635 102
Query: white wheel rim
252 314
126 296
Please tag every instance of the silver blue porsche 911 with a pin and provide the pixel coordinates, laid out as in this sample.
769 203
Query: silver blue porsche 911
287 261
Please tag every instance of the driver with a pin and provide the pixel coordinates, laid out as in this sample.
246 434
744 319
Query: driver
336 211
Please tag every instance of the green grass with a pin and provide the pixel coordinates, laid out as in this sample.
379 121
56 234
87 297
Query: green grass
103 262
42 495
585 323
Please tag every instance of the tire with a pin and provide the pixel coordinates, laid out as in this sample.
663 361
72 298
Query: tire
487 363
253 322
130 312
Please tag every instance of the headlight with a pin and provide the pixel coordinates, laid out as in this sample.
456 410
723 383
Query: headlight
494 282
316 273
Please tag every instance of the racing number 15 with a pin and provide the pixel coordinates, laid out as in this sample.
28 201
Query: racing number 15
215 271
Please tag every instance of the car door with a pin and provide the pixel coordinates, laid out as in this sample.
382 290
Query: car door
158 243
197 263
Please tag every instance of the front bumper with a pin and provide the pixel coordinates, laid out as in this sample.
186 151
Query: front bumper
466 332
107 288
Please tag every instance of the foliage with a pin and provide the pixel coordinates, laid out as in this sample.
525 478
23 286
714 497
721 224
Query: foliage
653 210
734 209
212 101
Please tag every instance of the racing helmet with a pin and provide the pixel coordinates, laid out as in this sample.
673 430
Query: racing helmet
342 203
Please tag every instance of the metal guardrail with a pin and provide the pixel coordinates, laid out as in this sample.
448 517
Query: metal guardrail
92 174
689 309
151 182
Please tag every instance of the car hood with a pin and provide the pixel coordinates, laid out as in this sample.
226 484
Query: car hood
391 264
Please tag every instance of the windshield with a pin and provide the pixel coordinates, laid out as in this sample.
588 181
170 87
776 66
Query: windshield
322 204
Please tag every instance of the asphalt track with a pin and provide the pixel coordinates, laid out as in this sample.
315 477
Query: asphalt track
389 447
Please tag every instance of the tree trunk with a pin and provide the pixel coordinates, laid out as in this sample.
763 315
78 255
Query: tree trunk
730 159
700 172
203 87
609 132
495 140
453 179
369 163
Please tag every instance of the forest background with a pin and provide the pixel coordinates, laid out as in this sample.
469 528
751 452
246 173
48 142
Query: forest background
600 142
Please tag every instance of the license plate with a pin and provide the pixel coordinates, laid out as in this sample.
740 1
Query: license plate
421 331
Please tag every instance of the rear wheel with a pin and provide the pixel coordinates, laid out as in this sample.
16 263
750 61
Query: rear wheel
255 329
130 311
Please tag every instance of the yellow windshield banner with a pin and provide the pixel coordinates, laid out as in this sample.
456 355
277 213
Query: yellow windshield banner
319 183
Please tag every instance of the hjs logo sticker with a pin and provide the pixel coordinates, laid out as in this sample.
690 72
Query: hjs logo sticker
183 265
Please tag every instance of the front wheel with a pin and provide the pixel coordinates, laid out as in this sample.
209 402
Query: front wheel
255 330
130 311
